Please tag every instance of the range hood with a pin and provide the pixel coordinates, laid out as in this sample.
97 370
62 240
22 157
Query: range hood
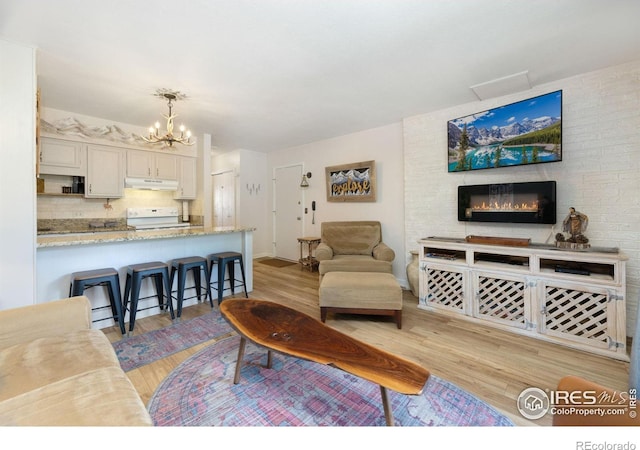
151 184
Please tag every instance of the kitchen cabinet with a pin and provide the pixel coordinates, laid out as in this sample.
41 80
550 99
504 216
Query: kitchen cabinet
62 157
147 164
187 179
105 172
571 298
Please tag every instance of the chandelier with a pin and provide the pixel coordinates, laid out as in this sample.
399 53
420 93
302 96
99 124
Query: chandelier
169 138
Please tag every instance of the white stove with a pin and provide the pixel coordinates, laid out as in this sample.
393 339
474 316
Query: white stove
155 218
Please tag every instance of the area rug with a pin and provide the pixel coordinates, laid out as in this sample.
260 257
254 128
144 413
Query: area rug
136 351
295 392
275 262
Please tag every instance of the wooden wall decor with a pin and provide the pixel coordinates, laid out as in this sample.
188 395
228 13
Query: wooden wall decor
354 182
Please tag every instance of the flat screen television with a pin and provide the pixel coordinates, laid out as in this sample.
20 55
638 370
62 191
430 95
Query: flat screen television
525 132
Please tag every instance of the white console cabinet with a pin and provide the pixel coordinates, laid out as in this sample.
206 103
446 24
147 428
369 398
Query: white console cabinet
573 298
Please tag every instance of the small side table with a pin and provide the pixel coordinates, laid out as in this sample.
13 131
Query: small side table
308 261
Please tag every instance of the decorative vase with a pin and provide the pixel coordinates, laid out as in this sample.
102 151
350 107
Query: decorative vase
412 273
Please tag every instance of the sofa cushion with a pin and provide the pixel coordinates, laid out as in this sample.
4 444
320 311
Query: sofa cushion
100 397
29 366
351 238
43 320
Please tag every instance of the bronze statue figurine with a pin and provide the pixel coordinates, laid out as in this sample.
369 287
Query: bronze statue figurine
575 224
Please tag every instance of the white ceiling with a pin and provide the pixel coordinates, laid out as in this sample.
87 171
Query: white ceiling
270 74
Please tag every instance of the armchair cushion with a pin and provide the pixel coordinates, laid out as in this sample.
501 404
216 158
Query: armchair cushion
354 263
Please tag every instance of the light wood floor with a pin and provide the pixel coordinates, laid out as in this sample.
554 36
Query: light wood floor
493 365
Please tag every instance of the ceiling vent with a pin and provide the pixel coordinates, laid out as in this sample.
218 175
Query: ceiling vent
502 86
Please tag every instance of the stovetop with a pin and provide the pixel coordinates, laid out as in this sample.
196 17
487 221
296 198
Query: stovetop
149 218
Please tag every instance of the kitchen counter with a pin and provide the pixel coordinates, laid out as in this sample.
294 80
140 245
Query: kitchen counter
59 255
58 239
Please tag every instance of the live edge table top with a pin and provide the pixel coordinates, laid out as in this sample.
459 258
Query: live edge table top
291 332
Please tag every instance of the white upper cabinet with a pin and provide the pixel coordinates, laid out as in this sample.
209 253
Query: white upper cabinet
105 172
61 157
187 179
160 166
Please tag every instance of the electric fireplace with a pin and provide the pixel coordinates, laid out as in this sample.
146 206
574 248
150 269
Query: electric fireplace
532 202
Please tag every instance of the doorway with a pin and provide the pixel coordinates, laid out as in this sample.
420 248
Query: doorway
224 199
287 212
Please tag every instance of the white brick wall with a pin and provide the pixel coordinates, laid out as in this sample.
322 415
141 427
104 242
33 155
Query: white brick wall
599 174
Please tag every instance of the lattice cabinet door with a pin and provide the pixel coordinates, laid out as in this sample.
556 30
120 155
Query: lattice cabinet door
443 287
502 298
584 314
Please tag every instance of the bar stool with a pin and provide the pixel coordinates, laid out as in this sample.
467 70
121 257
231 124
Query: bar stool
157 270
108 277
182 266
226 261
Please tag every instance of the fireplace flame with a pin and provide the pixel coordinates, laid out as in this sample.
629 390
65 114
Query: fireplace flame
506 207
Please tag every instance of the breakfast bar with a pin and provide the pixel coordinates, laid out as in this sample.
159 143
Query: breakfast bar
59 255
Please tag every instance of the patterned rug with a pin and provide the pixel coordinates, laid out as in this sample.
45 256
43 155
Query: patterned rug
295 392
146 348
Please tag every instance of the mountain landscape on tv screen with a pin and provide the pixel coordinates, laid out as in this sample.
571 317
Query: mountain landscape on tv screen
526 132
484 136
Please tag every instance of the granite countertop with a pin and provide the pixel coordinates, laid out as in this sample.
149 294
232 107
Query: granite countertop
101 237
68 226
74 230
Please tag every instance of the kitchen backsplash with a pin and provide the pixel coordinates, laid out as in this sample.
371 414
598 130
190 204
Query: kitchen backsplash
72 207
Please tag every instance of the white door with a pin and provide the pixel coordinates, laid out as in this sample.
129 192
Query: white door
287 212
224 200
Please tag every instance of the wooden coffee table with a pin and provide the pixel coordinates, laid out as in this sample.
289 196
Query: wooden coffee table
285 330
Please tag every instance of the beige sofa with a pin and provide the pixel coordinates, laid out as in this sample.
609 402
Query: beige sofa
55 370
354 246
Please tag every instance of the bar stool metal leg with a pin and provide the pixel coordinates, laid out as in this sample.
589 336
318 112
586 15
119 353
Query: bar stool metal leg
109 278
226 264
156 270
182 266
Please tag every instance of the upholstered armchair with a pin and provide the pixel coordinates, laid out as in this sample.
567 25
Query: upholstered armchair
354 246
